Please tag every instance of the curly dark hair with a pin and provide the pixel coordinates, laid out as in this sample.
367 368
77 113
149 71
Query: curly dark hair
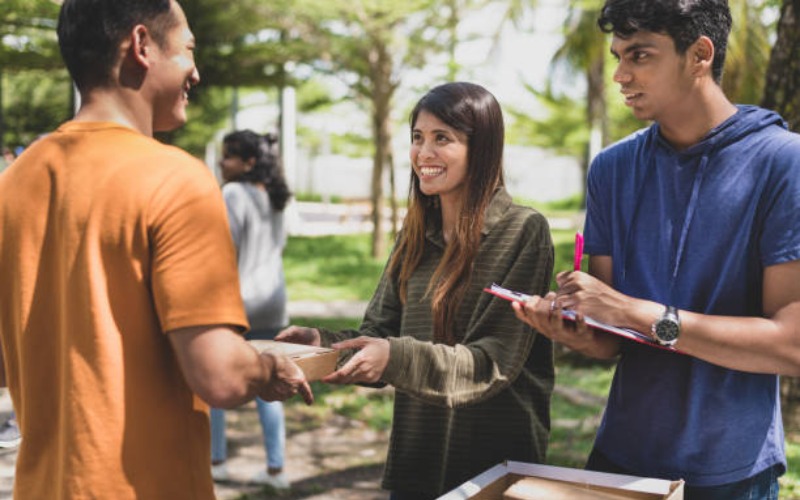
267 170
683 20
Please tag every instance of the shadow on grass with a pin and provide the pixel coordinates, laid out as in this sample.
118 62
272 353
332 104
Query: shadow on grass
363 478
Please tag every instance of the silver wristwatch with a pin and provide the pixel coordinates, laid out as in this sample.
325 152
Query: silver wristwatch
667 328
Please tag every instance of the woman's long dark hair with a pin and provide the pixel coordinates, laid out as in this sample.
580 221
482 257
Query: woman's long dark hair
470 109
267 170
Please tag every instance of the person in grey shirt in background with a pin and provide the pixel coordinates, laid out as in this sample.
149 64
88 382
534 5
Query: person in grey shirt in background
255 194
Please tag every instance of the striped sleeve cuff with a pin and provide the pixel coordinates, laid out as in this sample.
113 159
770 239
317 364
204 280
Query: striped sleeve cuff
400 356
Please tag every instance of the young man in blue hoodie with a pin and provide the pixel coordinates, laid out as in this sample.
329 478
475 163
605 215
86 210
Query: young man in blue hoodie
693 233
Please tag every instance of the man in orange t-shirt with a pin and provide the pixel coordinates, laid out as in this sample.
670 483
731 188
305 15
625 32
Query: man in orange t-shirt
120 314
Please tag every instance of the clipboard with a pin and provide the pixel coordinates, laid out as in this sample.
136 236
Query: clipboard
570 315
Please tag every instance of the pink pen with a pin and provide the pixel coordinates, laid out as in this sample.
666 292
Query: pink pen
578 251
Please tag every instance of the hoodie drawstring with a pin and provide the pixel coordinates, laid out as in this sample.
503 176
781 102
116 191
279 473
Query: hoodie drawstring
687 221
690 211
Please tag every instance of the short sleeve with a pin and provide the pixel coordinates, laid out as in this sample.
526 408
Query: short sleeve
780 238
194 275
597 229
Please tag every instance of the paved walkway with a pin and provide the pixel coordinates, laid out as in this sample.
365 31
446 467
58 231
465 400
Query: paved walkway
340 459
317 219
334 309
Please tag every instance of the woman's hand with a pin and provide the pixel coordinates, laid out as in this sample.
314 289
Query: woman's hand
300 335
366 366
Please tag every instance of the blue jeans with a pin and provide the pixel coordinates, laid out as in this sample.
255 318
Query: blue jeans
762 486
270 414
273 427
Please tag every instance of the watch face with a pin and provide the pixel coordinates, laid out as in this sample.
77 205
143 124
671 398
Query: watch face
667 330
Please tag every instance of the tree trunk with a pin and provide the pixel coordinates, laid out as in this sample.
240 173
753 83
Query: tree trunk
782 94
790 403
2 117
453 20
382 92
596 115
782 84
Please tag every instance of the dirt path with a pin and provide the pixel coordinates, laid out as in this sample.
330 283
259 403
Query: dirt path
334 458
337 459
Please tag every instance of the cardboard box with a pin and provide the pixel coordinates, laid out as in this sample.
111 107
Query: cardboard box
316 362
500 482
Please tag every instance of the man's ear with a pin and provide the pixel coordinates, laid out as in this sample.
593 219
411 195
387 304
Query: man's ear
701 56
136 53
141 45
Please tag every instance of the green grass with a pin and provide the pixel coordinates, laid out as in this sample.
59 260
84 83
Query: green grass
574 423
313 197
566 206
594 379
790 482
330 268
329 323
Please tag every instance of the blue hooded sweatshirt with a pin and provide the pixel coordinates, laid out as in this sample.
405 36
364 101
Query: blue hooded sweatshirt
695 229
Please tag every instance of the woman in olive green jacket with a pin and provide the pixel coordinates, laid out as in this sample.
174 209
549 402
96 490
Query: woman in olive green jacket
473 383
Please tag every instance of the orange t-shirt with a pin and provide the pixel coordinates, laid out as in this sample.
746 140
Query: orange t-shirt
109 240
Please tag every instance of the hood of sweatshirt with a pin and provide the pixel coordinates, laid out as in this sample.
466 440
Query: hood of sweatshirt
728 134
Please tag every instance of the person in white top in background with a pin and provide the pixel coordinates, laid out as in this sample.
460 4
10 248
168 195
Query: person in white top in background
256 193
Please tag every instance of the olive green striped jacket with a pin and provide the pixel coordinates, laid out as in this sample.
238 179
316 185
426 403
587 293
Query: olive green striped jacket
462 409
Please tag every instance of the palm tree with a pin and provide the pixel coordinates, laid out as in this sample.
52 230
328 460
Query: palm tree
585 46
584 51
748 52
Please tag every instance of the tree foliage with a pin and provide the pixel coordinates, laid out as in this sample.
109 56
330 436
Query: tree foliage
27 35
29 55
583 55
748 52
247 43
244 43
370 44
42 100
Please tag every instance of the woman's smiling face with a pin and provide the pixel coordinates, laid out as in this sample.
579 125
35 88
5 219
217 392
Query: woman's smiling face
439 155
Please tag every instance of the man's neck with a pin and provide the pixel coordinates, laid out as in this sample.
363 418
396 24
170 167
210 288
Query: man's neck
115 106
701 113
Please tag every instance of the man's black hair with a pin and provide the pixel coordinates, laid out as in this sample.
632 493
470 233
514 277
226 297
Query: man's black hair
683 20
90 33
